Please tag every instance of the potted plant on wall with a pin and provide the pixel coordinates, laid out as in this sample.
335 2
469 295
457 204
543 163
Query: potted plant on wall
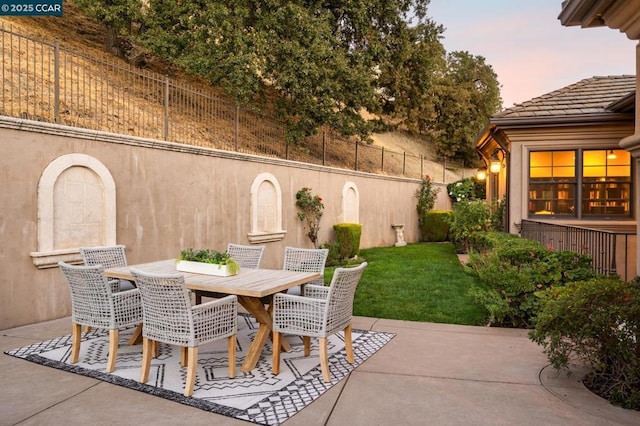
205 261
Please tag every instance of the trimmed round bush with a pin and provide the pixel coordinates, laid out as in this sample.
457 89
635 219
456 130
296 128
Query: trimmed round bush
348 239
435 226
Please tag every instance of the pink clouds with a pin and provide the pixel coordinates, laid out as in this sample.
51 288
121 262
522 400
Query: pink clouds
528 48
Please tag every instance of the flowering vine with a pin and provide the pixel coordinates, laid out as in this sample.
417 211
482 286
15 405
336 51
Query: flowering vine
310 212
466 190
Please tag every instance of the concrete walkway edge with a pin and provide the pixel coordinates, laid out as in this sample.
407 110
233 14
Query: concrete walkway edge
436 374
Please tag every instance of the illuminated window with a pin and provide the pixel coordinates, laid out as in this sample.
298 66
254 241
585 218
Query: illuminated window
552 183
580 183
606 183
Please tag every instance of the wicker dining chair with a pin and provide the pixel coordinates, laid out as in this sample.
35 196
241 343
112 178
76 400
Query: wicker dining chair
109 257
170 318
305 260
246 256
322 311
94 304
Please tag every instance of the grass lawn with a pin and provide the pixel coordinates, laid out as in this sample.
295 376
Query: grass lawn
418 282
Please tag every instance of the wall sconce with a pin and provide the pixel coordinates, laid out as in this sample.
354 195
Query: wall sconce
611 155
481 174
495 162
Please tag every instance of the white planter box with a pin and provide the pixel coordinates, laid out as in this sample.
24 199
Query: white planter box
203 268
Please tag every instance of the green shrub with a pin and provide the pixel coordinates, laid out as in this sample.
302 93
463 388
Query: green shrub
467 189
498 211
435 225
513 269
508 296
483 241
468 218
573 266
348 239
597 321
518 251
426 196
333 258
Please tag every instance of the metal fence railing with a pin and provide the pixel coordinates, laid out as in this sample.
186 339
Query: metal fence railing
43 81
612 249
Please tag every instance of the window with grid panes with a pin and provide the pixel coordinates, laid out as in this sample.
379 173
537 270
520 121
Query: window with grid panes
606 183
580 183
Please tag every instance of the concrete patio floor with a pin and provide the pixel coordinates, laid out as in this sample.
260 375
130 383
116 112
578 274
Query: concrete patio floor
429 374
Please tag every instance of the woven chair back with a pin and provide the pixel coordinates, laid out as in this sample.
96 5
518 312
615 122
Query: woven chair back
306 260
246 256
342 291
166 308
107 256
91 302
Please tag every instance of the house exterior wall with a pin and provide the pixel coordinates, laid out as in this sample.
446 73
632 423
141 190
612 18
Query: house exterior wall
636 160
623 17
554 138
632 144
170 197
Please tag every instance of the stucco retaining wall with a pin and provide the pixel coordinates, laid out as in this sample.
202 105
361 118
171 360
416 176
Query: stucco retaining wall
169 197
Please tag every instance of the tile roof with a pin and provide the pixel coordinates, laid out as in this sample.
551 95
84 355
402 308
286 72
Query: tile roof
589 96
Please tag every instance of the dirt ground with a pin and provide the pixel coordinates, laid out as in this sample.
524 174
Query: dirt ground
76 31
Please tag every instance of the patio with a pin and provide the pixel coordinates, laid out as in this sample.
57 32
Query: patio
428 374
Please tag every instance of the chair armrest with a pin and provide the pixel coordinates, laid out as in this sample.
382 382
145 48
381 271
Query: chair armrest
316 291
127 296
115 285
216 318
127 306
285 298
298 314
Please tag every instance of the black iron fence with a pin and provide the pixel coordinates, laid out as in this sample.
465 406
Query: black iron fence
612 248
41 80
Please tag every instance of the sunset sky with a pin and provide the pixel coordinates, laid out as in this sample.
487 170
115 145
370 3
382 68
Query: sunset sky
528 48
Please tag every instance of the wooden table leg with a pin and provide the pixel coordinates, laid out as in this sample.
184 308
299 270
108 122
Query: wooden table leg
253 354
257 309
286 347
136 337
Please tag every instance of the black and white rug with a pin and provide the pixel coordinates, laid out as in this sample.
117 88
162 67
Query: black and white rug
257 396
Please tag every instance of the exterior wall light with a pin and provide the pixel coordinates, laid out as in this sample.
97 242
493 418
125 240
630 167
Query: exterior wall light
495 162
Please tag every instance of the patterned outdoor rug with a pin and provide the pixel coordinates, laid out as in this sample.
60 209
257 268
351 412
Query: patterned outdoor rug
257 396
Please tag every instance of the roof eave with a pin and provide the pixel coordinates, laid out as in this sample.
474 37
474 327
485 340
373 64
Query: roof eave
627 103
583 119
585 13
621 15
484 137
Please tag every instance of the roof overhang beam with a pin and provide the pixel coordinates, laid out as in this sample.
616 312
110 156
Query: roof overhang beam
623 15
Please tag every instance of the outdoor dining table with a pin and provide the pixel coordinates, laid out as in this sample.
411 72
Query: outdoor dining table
254 288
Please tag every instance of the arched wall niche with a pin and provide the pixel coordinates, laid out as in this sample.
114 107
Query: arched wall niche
76 208
266 210
350 203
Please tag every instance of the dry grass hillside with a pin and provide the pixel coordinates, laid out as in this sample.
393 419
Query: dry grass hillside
80 33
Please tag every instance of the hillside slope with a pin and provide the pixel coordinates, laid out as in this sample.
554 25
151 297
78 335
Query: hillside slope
76 31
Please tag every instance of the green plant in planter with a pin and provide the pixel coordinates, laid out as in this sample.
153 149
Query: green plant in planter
210 256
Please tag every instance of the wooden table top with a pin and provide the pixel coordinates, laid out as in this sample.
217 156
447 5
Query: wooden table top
247 282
